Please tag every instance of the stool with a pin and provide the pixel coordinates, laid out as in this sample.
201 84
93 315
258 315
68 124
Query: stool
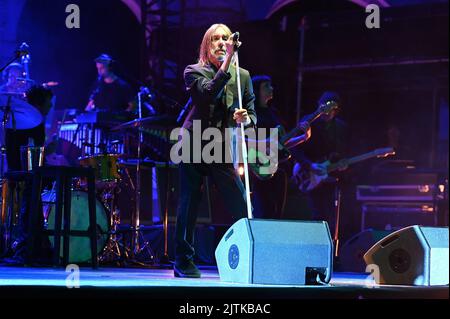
63 176
11 204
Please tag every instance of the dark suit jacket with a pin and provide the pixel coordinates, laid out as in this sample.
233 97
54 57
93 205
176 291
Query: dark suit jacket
214 95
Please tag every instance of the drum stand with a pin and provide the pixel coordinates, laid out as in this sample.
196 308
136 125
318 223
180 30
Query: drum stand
115 250
5 221
6 110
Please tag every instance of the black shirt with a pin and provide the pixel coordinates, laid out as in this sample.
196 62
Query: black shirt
329 141
113 96
266 117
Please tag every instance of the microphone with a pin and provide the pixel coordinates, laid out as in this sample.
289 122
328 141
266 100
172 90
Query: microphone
235 37
146 92
24 49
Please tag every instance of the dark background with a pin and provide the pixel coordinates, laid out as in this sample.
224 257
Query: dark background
412 97
407 96
67 55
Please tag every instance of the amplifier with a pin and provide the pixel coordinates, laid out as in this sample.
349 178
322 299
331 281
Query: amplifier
396 215
396 193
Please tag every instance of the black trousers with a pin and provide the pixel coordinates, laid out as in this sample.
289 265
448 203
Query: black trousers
229 185
269 196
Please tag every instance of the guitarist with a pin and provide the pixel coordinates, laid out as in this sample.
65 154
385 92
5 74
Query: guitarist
269 196
327 145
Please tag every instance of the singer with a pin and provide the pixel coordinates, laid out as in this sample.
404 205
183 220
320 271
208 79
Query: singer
211 84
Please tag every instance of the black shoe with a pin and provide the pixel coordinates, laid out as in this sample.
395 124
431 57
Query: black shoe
186 270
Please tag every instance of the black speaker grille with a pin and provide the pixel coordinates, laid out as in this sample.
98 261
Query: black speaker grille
399 260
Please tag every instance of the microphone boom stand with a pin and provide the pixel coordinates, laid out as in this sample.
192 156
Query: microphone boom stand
243 145
136 248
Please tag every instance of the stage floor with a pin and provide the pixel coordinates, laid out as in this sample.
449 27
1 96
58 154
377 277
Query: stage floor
160 283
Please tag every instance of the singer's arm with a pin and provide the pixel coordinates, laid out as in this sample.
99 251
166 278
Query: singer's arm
225 67
231 47
201 87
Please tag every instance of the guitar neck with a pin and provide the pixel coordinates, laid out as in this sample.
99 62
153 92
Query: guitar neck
308 118
351 160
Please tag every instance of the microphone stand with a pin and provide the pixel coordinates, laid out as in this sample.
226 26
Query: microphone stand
6 109
137 236
17 55
243 145
23 51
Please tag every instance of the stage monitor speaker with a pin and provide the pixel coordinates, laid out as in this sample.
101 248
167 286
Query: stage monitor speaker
351 255
280 252
414 255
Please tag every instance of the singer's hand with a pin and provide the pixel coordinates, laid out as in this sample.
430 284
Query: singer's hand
241 116
231 45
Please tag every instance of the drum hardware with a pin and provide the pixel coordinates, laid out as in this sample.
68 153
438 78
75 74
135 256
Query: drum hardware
115 250
162 123
107 178
11 195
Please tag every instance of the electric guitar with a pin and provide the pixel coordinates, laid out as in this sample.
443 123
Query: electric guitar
264 164
307 179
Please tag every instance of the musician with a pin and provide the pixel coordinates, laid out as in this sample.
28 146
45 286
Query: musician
41 98
329 143
211 83
111 93
269 196
12 79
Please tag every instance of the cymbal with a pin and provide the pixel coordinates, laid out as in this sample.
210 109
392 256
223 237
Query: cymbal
151 122
22 115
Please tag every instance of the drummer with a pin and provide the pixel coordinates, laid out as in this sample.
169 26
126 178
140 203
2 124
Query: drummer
12 80
111 93
41 98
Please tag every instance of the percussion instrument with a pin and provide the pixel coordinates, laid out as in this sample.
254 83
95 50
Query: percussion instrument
31 157
20 114
106 167
79 249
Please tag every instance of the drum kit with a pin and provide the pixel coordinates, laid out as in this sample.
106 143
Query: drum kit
94 141
110 172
